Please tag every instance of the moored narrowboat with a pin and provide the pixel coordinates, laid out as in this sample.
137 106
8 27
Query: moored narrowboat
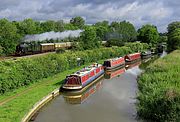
114 63
130 58
146 54
82 78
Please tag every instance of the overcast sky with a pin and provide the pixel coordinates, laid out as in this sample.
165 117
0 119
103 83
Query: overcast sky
138 12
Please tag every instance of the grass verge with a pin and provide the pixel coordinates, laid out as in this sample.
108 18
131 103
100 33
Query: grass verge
13 110
159 90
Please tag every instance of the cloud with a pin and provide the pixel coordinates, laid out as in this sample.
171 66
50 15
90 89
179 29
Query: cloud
139 12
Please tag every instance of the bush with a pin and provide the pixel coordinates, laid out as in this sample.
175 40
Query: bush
159 91
137 46
61 50
1 50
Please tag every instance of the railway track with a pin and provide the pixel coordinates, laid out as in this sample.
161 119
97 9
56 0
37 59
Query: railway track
26 56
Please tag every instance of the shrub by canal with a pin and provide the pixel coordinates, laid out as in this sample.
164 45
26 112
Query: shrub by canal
159 89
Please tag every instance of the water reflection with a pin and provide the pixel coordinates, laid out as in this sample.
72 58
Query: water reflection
77 97
137 63
110 75
164 53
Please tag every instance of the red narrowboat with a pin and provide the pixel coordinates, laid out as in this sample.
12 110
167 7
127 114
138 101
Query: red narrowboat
82 78
132 57
114 63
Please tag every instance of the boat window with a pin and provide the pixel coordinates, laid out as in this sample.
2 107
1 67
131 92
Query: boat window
107 63
73 80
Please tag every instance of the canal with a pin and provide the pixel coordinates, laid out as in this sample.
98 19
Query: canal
111 99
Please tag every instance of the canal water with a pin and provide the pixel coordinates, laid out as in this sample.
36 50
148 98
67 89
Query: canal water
111 99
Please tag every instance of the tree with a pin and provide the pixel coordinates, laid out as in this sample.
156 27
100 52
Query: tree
103 24
59 26
48 26
173 26
101 32
114 42
27 26
126 30
89 39
173 42
148 34
1 50
78 21
8 36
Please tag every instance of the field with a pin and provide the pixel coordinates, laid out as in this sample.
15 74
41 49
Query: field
159 90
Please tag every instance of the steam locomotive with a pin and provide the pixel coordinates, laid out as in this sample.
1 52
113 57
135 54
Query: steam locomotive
34 48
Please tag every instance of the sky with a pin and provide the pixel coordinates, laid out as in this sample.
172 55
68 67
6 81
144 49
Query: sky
139 12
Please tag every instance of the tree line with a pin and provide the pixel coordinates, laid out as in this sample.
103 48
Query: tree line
115 33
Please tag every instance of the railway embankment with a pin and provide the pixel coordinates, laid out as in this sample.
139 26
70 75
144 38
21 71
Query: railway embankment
159 89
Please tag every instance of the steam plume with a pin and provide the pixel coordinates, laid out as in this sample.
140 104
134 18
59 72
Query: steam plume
52 35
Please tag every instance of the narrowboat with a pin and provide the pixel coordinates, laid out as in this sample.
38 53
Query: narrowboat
145 54
114 63
82 78
130 58
110 75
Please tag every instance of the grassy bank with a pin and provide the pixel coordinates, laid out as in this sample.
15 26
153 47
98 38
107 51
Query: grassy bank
15 109
159 90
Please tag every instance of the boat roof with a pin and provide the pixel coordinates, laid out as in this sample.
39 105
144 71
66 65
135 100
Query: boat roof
134 53
86 70
44 44
114 59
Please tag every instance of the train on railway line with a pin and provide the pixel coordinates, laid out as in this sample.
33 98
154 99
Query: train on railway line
28 48
34 48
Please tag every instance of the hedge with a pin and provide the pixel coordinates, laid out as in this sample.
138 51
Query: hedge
24 71
159 90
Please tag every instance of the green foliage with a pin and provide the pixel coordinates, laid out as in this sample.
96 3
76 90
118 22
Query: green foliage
1 50
125 29
162 39
103 24
159 91
48 26
115 42
8 36
148 34
173 26
27 26
173 36
101 31
89 39
59 26
78 22
137 46
61 50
